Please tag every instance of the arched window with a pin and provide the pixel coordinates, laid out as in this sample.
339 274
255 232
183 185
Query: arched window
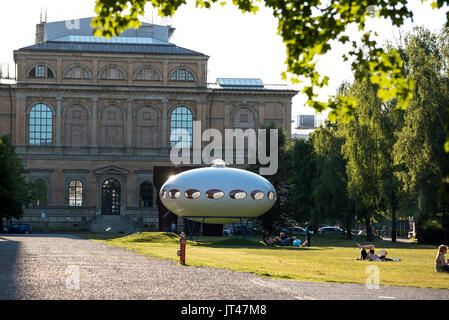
147 73
181 128
75 193
146 194
182 74
112 72
41 71
39 193
77 71
41 125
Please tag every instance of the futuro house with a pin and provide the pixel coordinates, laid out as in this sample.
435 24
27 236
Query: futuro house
218 194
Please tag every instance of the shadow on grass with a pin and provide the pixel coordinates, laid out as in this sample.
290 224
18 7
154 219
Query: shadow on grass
319 242
240 242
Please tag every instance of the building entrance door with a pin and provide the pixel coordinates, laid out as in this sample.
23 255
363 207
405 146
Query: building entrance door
110 197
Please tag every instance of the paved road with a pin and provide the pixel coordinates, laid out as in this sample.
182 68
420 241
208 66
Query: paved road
46 267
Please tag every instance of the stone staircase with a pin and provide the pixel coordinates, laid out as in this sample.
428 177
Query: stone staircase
113 224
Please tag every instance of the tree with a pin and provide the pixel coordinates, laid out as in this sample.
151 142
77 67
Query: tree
14 190
418 149
362 150
301 179
330 199
279 212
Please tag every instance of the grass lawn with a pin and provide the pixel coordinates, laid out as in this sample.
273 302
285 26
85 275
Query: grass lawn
331 258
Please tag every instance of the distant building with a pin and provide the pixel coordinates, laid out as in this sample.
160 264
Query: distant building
306 123
92 118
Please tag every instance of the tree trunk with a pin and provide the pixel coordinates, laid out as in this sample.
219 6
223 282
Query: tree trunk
348 227
369 231
393 224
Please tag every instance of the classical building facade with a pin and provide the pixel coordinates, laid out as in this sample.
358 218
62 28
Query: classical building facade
92 118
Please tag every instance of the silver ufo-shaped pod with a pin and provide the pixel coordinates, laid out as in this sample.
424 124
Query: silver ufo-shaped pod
220 193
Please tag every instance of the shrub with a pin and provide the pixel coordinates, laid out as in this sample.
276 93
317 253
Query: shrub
433 233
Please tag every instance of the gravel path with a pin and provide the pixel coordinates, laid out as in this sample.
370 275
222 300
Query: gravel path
46 267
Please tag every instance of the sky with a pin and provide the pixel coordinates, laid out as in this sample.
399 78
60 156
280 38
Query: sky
239 45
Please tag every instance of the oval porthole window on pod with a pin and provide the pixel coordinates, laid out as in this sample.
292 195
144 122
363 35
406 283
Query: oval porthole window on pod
270 195
257 195
214 194
192 194
237 194
162 194
174 194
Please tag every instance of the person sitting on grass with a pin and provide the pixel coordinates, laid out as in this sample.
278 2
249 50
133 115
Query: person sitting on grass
278 240
371 256
441 264
267 239
287 241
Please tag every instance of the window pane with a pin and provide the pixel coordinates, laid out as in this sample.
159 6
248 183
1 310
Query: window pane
40 71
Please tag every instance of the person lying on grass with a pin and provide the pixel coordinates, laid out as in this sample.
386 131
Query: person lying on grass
292 241
278 240
371 256
283 240
441 264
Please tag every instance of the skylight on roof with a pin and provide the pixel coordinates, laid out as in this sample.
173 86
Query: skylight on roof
239 82
117 40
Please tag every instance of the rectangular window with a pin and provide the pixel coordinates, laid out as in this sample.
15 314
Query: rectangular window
182 74
40 72
243 117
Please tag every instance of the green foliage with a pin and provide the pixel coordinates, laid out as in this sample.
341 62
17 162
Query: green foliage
433 233
14 191
301 178
418 150
279 212
329 185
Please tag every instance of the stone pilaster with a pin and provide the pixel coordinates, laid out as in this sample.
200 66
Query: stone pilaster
227 115
58 125
261 114
21 120
165 73
164 123
129 126
94 141
58 122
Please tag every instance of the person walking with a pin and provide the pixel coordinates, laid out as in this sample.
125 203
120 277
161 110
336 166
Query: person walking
308 233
